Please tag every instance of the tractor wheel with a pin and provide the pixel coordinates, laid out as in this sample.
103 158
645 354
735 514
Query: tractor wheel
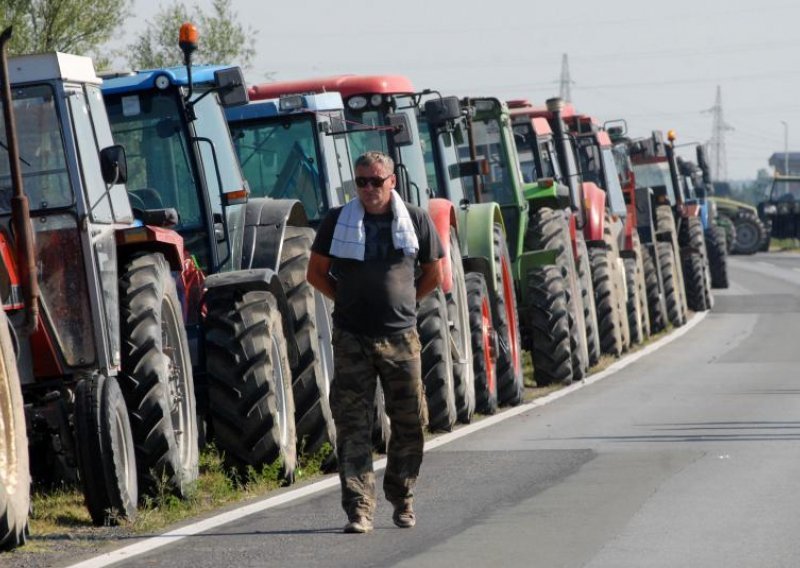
251 407
506 323
549 230
665 221
655 307
309 319
589 307
694 275
105 448
633 304
15 477
548 317
750 233
666 259
484 343
156 377
605 297
641 284
717 256
461 342
437 363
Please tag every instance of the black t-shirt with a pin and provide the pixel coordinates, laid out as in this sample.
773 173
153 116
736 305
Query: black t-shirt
377 297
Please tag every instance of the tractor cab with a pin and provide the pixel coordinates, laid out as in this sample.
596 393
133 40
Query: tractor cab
782 208
172 124
74 178
295 146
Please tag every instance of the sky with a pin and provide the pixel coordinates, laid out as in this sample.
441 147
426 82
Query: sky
655 64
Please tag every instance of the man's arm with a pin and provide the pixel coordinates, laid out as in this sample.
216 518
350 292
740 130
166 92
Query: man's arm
318 274
430 279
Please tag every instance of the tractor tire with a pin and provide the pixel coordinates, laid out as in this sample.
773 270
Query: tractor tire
437 364
633 304
548 317
251 407
666 259
312 375
483 343
461 340
655 307
665 221
549 230
105 450
694 274
750 233
15 477
605 297
717 256
589 307
642 286
510 383
156 377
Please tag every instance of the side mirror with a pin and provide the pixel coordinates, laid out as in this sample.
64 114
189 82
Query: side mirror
113 164
439 111
401 129
471 168
231 87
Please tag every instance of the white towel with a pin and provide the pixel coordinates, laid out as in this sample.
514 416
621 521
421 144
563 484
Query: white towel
349 239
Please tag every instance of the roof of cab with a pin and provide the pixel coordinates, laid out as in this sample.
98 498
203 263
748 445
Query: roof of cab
146 79
49 66
271 107
347 85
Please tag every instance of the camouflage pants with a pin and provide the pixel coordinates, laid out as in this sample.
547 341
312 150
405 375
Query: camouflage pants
359 361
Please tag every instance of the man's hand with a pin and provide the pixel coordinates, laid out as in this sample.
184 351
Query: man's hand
430 279
318 275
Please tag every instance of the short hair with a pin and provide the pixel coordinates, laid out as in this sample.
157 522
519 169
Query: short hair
373 157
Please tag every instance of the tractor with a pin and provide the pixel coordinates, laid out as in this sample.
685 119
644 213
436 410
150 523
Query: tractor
381 113
104 365
599 164
260 381
780 212
697 180
745 226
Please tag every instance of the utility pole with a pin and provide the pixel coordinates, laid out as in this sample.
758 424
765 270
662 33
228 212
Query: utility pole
719 158
564 91
785 147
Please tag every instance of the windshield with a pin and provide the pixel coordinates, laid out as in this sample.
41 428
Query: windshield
525 140
411 157
654 175
150 126
488 144
41 150
616 199
280 159
785 190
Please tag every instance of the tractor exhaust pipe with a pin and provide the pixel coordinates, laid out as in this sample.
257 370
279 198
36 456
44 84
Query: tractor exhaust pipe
20 209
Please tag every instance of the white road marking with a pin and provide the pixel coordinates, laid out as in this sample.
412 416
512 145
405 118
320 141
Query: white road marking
332 481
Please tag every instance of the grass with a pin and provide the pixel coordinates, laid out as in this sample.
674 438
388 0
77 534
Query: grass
782 245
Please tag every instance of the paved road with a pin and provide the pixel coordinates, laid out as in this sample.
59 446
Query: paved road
688 457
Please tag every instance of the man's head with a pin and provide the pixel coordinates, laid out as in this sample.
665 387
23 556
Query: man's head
375 180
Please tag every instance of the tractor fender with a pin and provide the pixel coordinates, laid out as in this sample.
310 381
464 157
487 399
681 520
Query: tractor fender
595 207
476 223
255 279
154 239
265 222
443 215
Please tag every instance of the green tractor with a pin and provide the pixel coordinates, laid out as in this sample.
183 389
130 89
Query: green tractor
746 233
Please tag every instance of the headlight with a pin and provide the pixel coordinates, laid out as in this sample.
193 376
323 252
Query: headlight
770 210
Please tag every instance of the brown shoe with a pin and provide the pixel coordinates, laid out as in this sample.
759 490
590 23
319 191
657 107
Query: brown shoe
404 516
359 525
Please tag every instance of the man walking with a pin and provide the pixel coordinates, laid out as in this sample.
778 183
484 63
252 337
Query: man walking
365 258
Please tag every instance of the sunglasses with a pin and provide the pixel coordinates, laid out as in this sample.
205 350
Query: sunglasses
374 181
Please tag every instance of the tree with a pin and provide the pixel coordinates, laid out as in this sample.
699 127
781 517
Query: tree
72 26
222 38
